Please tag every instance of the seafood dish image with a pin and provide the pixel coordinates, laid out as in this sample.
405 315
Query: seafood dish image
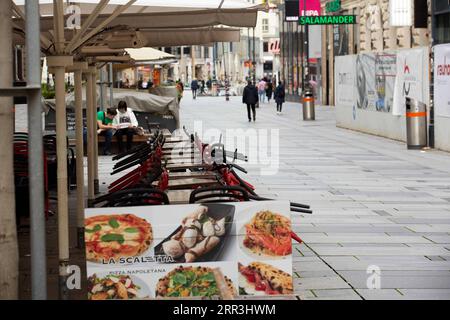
268 234
201 235
185 282
116 236
263 279
112 287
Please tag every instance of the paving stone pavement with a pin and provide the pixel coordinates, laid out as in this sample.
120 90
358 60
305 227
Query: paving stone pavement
376 204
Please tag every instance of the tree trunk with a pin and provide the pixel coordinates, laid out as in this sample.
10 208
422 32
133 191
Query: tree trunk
9 260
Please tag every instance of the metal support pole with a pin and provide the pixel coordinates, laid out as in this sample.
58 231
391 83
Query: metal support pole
95 136
102 89
254 58
249 50
9 262
111 86
61 155
431 138
193 62
78 73
35 155
90 136
306 50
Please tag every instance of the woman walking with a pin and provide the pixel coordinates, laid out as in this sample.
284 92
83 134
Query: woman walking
279 96
261 90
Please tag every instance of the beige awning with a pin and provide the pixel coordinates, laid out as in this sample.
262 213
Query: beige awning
154 20
161 13
148 54
189 37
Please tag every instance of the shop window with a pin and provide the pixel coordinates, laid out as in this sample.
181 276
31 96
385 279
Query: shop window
442 28
266 46
265 25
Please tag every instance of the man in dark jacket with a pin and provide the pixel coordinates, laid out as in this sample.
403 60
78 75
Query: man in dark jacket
194 88
250 98
279 96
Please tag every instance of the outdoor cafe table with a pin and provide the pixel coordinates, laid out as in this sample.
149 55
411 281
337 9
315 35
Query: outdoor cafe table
194 174
189 183
185 166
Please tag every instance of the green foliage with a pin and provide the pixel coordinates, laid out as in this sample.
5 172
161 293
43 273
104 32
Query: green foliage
47 91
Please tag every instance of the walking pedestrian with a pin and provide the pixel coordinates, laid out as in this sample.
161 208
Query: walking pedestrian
279 96
194 88
202 87
250 98
269 91
261 90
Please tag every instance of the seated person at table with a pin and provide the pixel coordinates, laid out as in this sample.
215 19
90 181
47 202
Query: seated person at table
106 127
126 124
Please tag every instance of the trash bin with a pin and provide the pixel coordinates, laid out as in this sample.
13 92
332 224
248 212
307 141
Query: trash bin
416 124
308 104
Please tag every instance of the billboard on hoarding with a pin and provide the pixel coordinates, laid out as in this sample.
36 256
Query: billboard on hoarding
442 80
411 78
345 78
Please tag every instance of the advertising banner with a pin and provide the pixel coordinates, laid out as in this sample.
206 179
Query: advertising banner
365 81
411 80
189 251
442 80
345 79
385 72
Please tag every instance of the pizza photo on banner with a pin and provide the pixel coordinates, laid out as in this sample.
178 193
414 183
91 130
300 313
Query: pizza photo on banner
190 251
442 80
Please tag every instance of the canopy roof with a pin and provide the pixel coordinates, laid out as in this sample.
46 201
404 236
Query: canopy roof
156 22
147 6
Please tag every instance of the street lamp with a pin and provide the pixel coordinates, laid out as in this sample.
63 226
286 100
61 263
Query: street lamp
305 49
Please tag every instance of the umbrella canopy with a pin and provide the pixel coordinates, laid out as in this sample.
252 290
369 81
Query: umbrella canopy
148 54
154 22
87 6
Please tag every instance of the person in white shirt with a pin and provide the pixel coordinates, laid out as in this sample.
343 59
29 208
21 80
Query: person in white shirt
126 124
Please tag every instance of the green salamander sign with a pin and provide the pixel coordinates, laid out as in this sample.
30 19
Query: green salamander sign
342 19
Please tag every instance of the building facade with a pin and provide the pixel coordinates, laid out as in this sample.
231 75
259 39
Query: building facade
371 33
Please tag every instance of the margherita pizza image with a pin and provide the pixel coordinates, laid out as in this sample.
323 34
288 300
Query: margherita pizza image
116 236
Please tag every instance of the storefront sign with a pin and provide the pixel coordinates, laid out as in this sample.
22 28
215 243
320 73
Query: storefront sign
333 6
291 10
442 80
400 13
324 20
309 7
186 251
274 46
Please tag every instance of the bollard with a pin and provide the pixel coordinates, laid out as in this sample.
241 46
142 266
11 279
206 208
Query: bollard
308 104
416 124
